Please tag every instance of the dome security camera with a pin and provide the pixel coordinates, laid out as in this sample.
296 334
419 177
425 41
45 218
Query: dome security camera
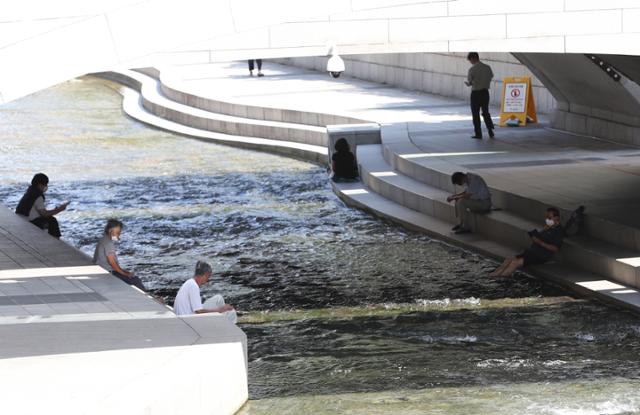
335 64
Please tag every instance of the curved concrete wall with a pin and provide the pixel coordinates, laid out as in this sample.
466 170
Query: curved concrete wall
435 73
590 102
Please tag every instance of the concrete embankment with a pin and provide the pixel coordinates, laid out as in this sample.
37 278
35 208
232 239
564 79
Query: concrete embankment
405 174
90 344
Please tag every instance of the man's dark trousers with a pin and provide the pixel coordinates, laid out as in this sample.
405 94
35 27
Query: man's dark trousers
50 223
251 64
135 281
480 100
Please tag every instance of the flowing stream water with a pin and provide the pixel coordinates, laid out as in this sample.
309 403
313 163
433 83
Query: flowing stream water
344 313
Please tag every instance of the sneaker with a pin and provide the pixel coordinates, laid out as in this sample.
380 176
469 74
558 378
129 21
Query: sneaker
455 228
260 74
477 137
462 231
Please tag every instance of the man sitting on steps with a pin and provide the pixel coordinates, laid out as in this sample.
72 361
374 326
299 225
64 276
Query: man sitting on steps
32 206
544 245
105 254
475 198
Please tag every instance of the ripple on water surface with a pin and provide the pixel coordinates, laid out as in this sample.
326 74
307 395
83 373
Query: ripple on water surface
337 301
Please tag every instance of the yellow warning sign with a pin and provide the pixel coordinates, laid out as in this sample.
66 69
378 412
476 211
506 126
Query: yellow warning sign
518 107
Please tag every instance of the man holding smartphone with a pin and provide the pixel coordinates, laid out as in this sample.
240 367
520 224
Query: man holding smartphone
544 244
479 79
32 206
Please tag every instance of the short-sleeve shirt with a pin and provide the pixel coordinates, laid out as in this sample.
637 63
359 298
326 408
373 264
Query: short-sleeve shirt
480 76
552 236
104 248
477 187
188 299
38 204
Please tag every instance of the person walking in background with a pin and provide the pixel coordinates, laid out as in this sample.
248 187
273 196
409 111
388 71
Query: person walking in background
343 162
188 300
479 79
251 66
476 197
105 254
32 206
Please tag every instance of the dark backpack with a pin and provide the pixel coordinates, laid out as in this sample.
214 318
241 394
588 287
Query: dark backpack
575 222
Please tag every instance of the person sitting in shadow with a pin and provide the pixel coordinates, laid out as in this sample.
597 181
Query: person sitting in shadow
343 163
544 244
32 206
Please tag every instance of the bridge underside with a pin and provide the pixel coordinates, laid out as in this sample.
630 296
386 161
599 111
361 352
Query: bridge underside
45 43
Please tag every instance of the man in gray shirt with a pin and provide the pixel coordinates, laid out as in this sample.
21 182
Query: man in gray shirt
475 198
479 79
105 254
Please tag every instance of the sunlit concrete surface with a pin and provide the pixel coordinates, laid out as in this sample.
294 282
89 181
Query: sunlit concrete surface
434 73
91 344
45 42
289 88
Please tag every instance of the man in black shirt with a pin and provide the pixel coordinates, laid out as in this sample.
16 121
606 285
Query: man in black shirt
544 245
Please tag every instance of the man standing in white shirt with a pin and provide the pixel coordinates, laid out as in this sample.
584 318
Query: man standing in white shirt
188 300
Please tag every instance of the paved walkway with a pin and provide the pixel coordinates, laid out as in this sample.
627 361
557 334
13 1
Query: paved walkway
562 169
93 344
45 280
288 87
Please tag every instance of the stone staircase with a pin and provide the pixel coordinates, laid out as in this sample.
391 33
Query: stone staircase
231 123
424 185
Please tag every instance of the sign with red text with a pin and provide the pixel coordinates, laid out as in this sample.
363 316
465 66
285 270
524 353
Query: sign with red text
518 107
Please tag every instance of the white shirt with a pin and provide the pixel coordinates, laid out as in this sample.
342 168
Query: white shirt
188 299
38 204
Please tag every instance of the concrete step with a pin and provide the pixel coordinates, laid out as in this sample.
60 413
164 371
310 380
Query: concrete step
404 157
132 106
582 282
502 226
156 103
176 91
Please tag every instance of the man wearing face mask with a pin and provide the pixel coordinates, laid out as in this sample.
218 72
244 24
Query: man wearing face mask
105 254
32 206
544 244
